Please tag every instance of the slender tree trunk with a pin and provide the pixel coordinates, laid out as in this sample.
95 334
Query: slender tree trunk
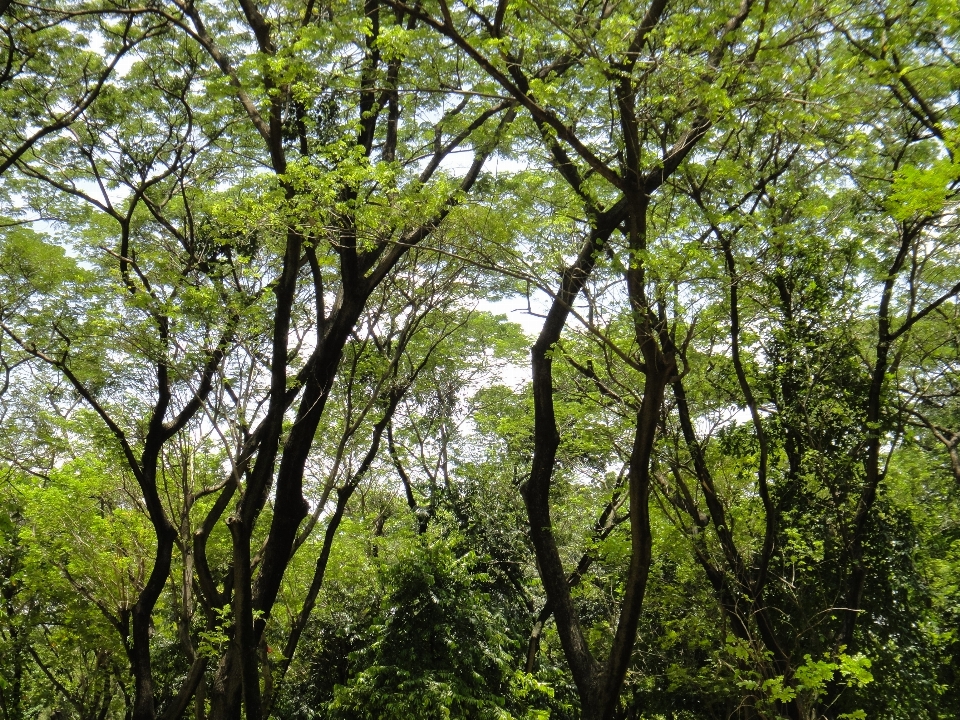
141 616
641 540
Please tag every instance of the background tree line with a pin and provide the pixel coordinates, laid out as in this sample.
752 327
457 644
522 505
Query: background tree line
269 450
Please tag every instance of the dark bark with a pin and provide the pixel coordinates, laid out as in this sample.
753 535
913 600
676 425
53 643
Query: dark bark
190 686
874 433
245 639
536 491
605 524
641 541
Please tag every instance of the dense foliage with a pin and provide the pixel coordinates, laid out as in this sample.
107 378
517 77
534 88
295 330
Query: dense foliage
487 359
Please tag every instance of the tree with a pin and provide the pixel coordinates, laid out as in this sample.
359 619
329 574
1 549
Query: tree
256 457
51 74
592 62
204 284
